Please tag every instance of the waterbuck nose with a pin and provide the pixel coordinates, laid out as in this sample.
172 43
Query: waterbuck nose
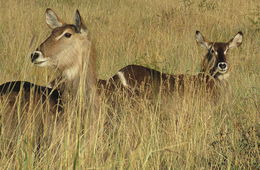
34 56
222 66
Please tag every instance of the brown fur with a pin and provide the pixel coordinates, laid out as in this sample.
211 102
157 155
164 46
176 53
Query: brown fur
143 80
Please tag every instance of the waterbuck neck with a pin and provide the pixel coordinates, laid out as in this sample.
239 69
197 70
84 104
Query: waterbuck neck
83 71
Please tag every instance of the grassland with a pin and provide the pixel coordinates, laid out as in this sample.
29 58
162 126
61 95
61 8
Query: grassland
186 133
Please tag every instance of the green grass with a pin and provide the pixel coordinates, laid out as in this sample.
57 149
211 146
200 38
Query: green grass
187 133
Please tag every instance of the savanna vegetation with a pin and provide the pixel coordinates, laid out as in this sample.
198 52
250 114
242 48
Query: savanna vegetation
172 132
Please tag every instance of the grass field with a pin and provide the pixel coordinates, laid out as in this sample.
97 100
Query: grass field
187 133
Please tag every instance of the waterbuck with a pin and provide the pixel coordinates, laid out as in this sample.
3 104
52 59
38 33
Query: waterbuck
70 50
214 71
27 108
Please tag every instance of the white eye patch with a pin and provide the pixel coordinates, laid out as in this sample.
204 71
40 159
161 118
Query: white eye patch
62 34
225 52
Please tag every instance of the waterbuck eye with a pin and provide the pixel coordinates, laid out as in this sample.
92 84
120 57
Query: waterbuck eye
67 35
212 51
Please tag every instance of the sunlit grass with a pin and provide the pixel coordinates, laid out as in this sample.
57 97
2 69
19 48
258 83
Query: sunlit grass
168 133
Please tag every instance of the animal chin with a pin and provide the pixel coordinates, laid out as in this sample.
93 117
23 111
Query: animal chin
40 63
222 71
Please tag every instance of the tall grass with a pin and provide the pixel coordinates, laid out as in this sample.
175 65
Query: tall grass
168 133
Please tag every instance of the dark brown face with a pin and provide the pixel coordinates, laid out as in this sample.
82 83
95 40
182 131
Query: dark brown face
215 61
216 58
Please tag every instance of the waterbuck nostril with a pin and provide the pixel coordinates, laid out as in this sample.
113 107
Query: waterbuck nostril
222 66
34 56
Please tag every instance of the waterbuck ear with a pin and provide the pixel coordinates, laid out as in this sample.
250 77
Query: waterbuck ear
236 41
202 41
52 20
79 22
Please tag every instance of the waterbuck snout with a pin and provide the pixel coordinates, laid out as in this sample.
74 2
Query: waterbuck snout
38 59
222 66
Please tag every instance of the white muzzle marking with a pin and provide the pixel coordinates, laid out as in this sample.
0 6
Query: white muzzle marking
40 60
222 67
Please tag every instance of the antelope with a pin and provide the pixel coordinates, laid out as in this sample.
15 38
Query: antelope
214 71
70 50
22 103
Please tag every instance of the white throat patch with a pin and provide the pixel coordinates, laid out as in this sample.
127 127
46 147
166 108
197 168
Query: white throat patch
223 76
71 73
60 36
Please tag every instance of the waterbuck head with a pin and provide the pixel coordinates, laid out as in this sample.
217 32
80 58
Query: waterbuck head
67 47
215 62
